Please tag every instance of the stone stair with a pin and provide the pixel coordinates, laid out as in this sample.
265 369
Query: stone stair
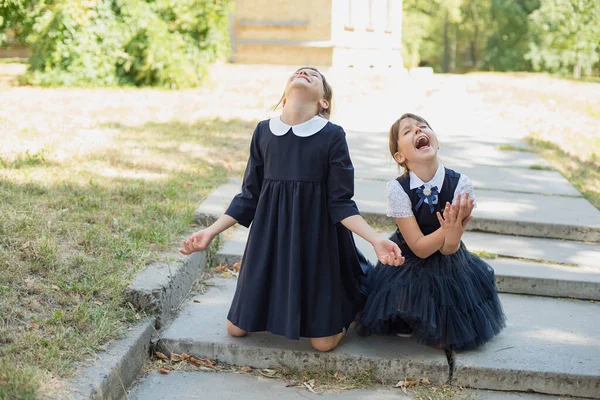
542 236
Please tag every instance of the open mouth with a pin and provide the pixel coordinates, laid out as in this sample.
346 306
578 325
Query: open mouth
422 142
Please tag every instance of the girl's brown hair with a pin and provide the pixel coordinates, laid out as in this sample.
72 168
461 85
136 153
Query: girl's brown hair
327 95
395 133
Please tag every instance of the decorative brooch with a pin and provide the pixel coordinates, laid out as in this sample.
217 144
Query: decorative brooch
429 195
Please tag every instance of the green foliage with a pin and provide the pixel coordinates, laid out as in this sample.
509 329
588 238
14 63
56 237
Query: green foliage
566 36
509 42
556 36
114 42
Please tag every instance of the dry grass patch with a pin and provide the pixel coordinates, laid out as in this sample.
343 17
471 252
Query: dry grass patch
88 197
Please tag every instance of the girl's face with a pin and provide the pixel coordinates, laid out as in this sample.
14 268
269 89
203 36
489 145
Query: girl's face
310 82
417 143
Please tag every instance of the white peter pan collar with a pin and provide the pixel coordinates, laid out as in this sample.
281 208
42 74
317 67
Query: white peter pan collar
305 129
438 179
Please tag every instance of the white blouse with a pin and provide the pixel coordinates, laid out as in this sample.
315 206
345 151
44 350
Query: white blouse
399 205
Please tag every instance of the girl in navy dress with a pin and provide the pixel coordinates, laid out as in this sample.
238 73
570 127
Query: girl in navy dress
300 270
443 295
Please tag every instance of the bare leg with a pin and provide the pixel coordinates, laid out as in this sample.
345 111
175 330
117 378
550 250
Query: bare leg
234 330
326 343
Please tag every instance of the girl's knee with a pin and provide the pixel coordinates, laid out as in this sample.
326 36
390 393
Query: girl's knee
326 343
234 330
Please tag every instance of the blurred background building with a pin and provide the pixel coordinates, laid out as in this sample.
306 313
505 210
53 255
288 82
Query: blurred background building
318 32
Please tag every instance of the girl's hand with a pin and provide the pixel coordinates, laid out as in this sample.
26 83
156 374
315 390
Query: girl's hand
456 217
199 241
388 252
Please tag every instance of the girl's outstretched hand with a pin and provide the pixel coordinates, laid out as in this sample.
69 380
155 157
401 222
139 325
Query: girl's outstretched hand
199 241
388 252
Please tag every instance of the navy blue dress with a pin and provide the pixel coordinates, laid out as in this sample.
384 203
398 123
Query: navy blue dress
301 268
448 301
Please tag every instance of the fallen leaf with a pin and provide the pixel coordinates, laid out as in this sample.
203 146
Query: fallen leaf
339 376
409 382
187 184
309 386
221 268
98 302
246 369
164 371
207 369
236 267
55 287
185 356
161 356
269 373
137 316
34 325
200 362
176 357
425 381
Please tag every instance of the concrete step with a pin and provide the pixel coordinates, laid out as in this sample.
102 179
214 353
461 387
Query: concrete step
453 152
230 386
512 276
484 177
549 346
508 213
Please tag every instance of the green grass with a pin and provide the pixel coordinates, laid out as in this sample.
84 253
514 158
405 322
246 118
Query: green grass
485 254
509 147
584 174
13 60
538 167
75 230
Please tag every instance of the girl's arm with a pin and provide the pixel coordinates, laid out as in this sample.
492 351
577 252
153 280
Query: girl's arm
342 209
400 208
466 191
200 240
456 218
242 207
423 246
387 251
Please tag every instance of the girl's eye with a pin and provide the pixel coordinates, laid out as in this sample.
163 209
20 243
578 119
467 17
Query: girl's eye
423 127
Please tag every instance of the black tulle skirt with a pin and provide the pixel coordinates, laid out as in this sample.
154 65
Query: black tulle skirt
449 302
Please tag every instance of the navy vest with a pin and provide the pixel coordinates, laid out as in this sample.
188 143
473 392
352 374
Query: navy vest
427 220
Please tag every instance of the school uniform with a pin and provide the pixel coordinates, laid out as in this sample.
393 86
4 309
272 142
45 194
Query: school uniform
300 270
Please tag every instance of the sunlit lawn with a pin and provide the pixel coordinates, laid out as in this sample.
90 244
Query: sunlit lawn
94 184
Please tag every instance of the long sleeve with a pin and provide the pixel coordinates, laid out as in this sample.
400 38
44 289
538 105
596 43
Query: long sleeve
340 180
243 206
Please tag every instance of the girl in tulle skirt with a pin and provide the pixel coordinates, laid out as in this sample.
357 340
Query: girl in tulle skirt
443 295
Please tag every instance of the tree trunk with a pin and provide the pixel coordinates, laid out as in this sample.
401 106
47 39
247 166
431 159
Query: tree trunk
475 34
577 69
446 65
577 66
454 45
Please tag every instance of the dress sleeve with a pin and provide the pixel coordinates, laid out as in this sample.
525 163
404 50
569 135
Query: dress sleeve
243 206
463 187
340 180
399 205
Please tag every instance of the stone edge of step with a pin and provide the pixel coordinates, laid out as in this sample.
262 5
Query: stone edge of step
215 205
117 368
